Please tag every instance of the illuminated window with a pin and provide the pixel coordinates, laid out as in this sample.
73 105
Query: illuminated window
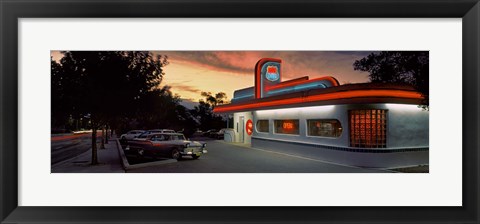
262 126
286 127
324 128
368 128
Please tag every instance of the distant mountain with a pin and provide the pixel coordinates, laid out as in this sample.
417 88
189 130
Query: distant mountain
189 104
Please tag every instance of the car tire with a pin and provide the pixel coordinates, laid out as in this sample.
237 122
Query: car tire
175 154
195 156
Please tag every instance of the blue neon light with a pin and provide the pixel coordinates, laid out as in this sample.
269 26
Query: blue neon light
245 96
297 88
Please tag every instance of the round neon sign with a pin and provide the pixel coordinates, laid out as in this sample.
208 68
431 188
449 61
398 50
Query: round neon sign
249 127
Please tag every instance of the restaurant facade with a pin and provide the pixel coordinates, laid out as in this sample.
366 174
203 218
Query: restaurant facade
367 124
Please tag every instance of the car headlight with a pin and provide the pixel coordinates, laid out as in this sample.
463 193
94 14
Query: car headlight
204 145
187 145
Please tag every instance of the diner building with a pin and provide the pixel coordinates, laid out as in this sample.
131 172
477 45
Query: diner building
367 125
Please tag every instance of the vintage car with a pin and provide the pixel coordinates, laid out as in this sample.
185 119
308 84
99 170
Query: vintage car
170 145
209 133
218 134
131 134
144 134
162 131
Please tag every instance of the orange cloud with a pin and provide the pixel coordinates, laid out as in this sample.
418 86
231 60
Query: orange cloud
295 63
191 72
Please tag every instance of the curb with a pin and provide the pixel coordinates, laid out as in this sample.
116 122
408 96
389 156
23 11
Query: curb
122 155
127 166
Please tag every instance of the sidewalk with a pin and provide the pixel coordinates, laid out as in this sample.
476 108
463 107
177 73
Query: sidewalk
109 161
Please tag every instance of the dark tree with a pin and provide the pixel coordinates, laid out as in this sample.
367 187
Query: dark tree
103 85
60 103
402 67
204 111
214 100
159 108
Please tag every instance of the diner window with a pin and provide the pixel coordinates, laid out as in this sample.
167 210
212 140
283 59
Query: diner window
289 127
368 128
262 126
324 128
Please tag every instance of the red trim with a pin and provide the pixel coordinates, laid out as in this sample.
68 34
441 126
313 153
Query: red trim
294 83
258 74
295 80
322 97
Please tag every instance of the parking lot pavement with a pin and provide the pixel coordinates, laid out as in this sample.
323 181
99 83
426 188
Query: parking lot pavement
225 157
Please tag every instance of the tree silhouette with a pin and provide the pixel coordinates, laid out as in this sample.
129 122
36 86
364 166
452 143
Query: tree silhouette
159 108
103 85
403 67
204 111
214 100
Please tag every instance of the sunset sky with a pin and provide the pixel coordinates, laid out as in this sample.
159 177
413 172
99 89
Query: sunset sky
191 72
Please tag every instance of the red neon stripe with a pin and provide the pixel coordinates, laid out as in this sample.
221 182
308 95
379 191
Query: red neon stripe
283 84
258 74
323 97
295 80
257 81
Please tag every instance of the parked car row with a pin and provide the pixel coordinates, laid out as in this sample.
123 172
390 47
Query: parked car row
213 133
165 143
145 134
170 145
133 134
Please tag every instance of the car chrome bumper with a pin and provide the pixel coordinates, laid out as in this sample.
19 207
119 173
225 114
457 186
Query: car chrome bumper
191 150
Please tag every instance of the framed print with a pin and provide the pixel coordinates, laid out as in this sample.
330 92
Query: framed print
248 112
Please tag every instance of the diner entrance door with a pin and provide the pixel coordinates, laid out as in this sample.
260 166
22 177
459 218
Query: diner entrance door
241 129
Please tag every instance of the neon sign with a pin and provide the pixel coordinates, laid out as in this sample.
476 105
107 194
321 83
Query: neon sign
271 69
288 125
272 73
249 127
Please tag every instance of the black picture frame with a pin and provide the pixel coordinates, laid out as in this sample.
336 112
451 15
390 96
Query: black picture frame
11 11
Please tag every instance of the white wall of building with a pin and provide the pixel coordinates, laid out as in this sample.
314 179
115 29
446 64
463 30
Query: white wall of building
407 125
407 135
304 113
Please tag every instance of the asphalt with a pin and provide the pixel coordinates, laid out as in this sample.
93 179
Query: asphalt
109 161
225 157
65 149
222 157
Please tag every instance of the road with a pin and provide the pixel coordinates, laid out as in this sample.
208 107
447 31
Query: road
234 158
70 145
